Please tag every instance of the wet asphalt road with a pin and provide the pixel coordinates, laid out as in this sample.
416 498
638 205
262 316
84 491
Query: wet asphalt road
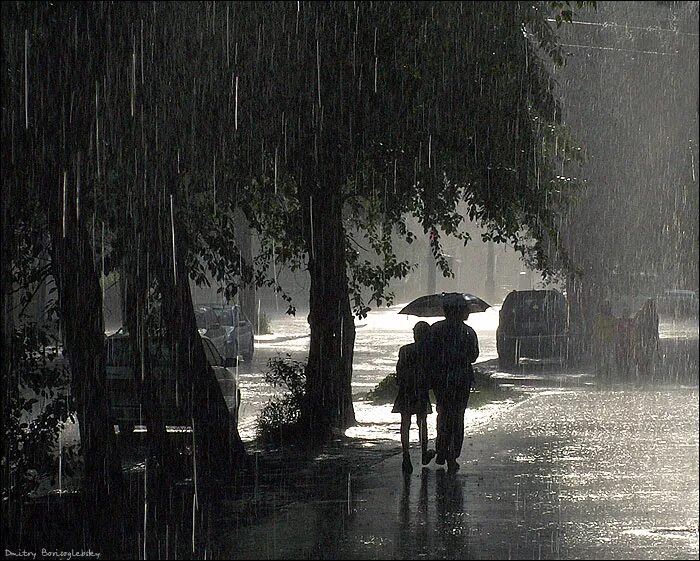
575 474
575 471
564 474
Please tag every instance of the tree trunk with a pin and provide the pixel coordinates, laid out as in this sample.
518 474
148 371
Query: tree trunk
80 304
328 404
218 451
247 291
160 463
135 305
490 285
9 376
431 271
219 448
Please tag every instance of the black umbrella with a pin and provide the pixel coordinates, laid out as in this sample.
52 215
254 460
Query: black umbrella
433 305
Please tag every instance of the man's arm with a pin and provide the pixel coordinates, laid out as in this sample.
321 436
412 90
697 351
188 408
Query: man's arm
473 345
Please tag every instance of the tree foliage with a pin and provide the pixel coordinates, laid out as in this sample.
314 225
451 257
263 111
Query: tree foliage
328 126
424 110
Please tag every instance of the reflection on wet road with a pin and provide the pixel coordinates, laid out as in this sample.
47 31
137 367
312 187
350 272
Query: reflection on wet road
575 474
575 471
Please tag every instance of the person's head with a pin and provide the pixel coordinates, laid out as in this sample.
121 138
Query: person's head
420 330
455 313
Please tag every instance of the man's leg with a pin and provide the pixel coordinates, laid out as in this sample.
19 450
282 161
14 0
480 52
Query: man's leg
448 431
405 443
441 442
457 426
458 435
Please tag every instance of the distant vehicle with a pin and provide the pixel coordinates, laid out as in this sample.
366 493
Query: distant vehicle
239 338
678 303
533 324
121 387
209 326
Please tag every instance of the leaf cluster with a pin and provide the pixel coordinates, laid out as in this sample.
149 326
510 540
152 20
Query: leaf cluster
39 407
280 416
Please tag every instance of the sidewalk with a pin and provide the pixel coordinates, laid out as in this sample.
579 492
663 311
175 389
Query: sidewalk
570 473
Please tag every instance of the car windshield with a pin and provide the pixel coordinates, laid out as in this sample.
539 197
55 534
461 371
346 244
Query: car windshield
201 317
119 353
226 315
537 307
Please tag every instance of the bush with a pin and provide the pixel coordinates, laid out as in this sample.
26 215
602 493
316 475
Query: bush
385 391
279 418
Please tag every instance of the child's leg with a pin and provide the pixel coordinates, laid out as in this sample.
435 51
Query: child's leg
426 455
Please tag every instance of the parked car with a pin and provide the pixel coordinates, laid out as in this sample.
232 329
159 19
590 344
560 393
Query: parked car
239 339
678 303
121 387
209 326
533 324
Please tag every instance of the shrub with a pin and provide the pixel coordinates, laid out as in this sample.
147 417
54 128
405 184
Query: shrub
385 391
484 390
279 418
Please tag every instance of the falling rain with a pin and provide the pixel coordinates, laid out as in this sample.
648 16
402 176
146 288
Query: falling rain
350 280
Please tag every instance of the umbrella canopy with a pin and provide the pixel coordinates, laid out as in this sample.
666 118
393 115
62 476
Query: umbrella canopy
433 305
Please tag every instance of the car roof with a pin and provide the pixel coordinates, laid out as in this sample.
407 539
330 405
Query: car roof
120 333
543 292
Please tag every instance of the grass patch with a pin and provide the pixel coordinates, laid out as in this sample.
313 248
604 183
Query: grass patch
484 390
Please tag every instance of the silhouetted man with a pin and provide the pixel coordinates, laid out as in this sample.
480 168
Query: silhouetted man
450 349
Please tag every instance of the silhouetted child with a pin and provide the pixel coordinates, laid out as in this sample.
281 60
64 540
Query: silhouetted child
412 398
